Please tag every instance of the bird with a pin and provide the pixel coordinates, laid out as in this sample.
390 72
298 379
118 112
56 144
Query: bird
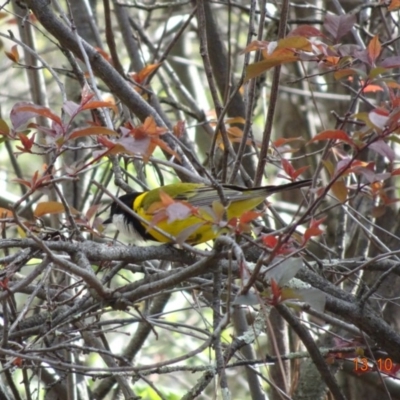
187 212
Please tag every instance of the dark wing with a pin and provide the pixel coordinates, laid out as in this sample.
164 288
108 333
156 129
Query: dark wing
206 195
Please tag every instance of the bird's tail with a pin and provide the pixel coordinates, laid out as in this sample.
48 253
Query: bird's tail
271 189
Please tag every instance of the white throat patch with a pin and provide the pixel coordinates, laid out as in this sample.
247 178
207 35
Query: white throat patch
125 228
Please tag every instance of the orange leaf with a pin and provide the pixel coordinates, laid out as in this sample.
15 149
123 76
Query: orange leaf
150 127
250 216
256 45
144 73
166 199
104 54
155 207
394 5
99 104
50 207
392 84
278 57
144 139
294 42
332 135
13 54
5 213
340 191
374 49
372 89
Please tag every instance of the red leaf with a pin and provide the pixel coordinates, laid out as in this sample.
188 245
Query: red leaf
4 283
282 141
275 289
269 241
306 31
299 171
313 230
26 142
333 135
275 292
249 216
287 167
290 171
272 242
18 362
